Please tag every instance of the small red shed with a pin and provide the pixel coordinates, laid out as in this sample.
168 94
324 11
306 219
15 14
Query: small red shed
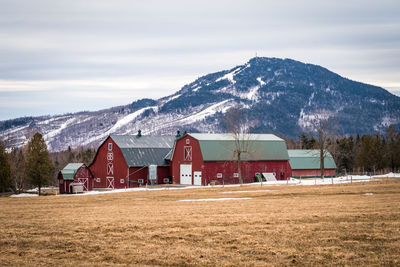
75 173
199 159
124 161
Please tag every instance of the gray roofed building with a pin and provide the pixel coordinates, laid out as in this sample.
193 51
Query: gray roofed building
144 150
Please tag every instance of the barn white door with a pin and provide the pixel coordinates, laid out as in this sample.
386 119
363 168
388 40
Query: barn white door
186 174
85 182
197 178
110 182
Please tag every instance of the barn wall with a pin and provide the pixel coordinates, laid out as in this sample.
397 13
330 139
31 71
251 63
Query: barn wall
178 158
84 172
63 185
163 172
99 166
248 168
136 173
211 169
313 173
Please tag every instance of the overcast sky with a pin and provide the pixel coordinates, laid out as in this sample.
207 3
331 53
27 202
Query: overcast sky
60 56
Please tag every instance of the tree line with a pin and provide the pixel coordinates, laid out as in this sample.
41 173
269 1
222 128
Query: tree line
34 166
357 154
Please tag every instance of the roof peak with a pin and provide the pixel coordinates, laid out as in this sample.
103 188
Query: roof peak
231 136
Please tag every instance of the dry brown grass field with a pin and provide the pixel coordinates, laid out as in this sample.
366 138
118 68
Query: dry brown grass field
351 224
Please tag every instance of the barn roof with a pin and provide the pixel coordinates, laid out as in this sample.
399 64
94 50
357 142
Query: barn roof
221 147
69 171
144 150
301 159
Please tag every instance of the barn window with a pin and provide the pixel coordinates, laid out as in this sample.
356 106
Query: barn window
122 181
166 180
140 181
110 156
187 141
110 169
236 175
219 175
109 146
188 153
98 180
61 181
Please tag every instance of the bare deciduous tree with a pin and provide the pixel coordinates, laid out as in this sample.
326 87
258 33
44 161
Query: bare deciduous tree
238 125
325 129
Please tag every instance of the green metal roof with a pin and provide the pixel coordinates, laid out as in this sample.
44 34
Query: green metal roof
221 147
69 171
144 150
301 159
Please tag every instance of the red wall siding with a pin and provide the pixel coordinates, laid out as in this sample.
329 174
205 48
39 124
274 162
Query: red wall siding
100 162
178 158
313 173
84 172
136 173
249 169
163 172
210 169
63 185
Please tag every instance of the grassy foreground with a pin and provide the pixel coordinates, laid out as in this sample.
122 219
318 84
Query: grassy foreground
357 224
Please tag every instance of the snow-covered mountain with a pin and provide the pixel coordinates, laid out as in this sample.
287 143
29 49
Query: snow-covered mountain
280 96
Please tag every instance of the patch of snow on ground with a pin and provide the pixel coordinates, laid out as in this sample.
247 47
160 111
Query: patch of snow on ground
252 94
261 81
208 112
245 191
196 88
214 199
292 181
120 123
127 119
229 76
24 195
35 190
172 98
57 131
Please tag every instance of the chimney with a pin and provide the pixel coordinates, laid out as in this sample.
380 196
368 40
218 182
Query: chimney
139 133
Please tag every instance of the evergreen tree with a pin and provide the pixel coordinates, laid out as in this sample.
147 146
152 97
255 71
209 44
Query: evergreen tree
5 173
39 167
303 141
393 148
71 156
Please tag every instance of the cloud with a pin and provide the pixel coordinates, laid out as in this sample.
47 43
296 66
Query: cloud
49 46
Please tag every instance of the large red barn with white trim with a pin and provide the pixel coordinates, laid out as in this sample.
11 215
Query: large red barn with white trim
200 159
124 161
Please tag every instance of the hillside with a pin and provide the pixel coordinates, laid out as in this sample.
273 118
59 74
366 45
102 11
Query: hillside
280 96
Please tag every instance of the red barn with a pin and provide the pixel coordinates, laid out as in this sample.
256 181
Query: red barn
200 159
75 173
124 161
306 163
